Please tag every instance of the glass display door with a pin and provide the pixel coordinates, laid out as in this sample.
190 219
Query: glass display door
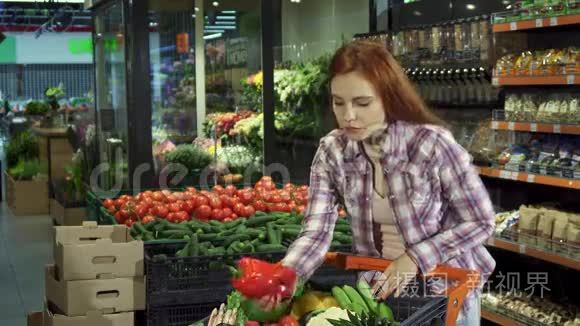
111 96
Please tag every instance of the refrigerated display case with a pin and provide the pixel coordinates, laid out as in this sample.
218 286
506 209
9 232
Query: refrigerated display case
203 71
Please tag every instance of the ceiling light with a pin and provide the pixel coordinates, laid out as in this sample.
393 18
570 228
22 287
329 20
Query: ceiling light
226 17
196 9
228 12
193 15
212 36
215 3
225 23
221 27
470 6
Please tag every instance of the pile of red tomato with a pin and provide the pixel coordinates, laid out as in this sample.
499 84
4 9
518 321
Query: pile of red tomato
222 203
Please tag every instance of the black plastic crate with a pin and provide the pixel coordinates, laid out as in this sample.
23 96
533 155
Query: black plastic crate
178 315
197 280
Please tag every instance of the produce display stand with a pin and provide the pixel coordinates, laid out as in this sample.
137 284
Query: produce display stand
54 149
413 310
27 197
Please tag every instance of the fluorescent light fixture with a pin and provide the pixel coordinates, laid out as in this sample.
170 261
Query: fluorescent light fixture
214 31
220 27
470 6
212 36
226 17
228 11
225 23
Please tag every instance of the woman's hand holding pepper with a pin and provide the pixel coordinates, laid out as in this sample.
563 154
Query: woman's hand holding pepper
396 277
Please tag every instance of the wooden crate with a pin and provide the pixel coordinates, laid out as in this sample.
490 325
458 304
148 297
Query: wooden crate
67 216
27 197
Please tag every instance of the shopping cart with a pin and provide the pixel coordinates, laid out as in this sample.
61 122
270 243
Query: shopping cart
414 311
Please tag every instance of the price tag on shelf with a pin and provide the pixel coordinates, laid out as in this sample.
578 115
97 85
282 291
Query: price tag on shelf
513 26
533 127
494 125
531 178
505 174
495 81
570 79
554 21
511 125
539 22
522 249
557 128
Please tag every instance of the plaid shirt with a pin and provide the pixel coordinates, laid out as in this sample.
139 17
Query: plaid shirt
440 205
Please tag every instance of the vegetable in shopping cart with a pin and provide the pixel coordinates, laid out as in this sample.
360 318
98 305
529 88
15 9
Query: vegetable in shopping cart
256 279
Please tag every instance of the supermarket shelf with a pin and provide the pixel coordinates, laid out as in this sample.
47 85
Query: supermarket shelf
522 249
537 23
497 318
571 79
530 178
550 128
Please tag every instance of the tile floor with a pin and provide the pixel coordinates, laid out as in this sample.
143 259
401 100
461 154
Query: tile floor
25 247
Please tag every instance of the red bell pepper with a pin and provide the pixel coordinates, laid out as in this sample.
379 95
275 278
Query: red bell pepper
258 279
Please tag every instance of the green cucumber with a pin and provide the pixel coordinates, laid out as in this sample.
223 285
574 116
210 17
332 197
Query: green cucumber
207 236
342 238
236 237
341 297
273 234
180 227
260 220
365 292
355 297
270 248
233 224
194 245
345 228
216 223
385 312
216 251
291 233
139 228
174 234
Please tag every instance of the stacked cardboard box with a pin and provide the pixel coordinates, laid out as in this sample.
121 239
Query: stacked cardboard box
97 278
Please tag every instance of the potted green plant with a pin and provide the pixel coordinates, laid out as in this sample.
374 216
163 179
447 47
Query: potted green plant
27 188
69 204
53 95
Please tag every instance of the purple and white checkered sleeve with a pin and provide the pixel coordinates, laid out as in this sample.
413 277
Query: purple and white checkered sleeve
307 253
471 205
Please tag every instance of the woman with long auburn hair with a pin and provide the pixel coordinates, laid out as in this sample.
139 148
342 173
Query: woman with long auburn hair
411 190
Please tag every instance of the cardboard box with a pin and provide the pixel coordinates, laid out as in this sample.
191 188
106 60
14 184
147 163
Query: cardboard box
94 251
27 197
35 319
92 318
67 216
76 298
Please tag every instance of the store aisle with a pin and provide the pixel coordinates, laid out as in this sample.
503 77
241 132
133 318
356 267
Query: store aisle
25 247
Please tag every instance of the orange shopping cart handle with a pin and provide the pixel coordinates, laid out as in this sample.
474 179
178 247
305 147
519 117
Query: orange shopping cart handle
464 280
